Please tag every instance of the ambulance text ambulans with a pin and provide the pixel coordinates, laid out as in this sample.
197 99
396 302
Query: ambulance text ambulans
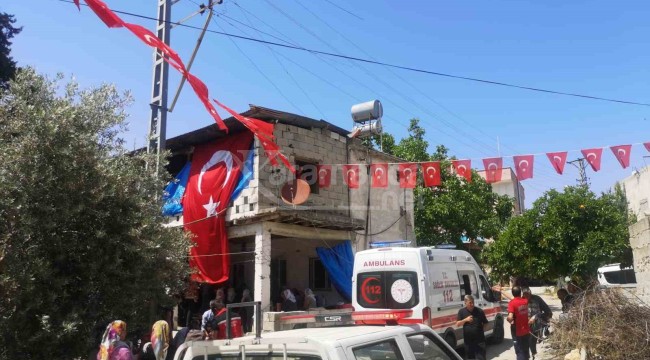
431 282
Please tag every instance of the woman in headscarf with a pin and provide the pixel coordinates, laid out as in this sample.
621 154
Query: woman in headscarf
310 299
160 339
289 303
114 345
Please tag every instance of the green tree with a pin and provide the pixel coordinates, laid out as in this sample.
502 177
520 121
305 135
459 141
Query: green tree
565 233
81 241
7 32
457 208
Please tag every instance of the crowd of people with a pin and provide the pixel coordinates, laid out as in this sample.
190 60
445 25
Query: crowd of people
160 345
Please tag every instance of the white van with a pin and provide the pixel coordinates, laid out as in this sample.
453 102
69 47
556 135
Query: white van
431 282
613 275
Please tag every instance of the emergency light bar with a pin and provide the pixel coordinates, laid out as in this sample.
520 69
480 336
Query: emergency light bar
397 243
384 317
389 315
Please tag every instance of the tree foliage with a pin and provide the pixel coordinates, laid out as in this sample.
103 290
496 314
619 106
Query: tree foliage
565 233
81 241
455 209
7 32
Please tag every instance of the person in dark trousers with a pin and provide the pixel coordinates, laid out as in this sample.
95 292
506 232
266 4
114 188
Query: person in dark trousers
518 315
566 299
539 314
473 321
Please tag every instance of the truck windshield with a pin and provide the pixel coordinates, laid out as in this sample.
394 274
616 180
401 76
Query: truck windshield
388 289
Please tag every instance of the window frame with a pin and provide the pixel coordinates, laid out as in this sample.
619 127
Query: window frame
451 354
312 275
393 341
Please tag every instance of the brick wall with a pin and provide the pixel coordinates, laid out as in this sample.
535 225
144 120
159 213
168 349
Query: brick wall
640 242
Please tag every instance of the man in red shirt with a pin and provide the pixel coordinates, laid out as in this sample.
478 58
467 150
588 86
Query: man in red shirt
518 315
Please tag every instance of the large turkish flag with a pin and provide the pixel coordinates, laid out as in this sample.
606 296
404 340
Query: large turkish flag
214 173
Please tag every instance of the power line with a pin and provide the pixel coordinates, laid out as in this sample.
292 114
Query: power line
347 11
402 67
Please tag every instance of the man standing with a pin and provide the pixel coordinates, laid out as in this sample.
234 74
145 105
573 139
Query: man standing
518 315
473 321
539 314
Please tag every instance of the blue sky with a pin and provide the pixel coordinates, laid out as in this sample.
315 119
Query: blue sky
596 48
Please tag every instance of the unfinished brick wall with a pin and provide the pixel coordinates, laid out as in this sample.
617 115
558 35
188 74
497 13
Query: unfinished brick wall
640 242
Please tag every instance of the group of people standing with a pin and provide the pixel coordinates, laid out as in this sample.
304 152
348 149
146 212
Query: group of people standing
295 300
528 315
115 346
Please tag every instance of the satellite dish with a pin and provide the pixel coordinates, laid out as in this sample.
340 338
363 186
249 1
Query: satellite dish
295 192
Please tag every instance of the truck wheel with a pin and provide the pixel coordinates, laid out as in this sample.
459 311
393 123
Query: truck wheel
497 333
451 340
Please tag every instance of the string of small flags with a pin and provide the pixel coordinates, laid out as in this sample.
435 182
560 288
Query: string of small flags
431 170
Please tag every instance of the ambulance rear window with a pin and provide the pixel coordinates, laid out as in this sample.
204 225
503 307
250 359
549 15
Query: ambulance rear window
388 290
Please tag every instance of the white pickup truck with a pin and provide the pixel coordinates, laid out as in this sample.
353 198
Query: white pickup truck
362 342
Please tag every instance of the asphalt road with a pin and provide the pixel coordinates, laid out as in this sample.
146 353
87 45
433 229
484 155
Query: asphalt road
505 350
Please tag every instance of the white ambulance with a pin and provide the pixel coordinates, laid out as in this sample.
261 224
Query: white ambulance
431 282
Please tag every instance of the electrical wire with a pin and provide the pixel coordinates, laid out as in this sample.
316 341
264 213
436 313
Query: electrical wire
261 72
396 66
347 11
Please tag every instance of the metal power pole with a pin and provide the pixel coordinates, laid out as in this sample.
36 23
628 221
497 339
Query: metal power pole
582 168
159 85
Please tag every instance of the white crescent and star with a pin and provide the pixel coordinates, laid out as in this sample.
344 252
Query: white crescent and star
354 173
493 165
462 169
219 156
379 171
592 154
619 151
523 167
557 159
322 173
409 173
428 171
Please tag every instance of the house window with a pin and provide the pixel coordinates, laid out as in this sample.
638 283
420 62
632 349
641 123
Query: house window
308 171
319 279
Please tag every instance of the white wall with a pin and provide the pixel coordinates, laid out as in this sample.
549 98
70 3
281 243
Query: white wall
637 191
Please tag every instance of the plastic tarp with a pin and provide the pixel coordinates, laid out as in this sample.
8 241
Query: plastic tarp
174 193
246 174
339 261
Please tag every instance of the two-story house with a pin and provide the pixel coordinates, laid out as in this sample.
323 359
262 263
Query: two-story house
273 243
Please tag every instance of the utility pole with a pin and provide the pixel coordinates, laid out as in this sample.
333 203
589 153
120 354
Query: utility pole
160 85
579 163
160 81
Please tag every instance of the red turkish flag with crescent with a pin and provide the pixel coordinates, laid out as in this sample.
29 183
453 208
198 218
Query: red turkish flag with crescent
593 157
379 173
463 168
351 175
524 166
408 175
105 14
76 2
324 176
152 40
493 168
622 154
431 173
647 146
214 173
558 160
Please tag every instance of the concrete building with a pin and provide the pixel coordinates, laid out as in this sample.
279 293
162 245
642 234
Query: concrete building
277 242
509 185
637 192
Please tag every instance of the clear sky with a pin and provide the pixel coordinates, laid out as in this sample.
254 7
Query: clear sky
590 47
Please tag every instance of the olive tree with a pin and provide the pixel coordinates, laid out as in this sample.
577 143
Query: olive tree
81 241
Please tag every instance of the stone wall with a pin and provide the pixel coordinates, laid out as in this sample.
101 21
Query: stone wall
640 242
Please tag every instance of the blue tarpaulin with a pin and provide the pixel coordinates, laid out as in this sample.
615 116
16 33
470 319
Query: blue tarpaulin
174 193
245 175
339 261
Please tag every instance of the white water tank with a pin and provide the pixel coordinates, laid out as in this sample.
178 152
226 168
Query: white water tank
369 129
370 110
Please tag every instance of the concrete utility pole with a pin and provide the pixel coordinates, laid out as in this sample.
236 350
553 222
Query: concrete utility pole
579 163
160 81
159 85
